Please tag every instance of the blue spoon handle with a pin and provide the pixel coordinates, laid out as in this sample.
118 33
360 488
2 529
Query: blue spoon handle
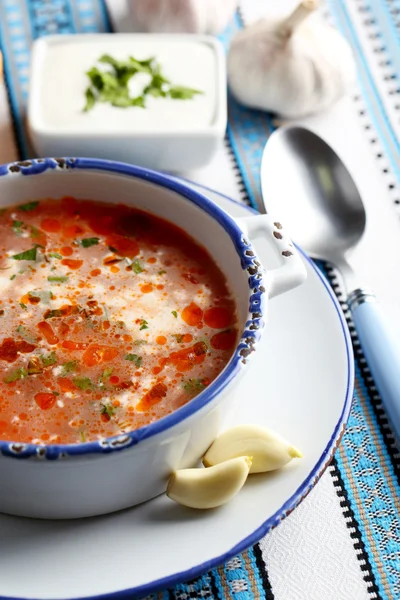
381 350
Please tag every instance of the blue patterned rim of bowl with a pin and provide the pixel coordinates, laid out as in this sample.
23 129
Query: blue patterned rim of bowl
249 337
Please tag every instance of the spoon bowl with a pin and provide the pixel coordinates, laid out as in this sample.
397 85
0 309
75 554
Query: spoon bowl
322 207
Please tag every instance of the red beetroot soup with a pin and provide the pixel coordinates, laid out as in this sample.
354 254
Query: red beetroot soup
111 318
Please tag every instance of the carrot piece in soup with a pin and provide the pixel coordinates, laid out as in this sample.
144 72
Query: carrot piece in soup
154 396
185 359
97 354
46 330
66 385
25 347
44 400
9 350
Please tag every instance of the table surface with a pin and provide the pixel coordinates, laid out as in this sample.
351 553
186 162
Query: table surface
343 541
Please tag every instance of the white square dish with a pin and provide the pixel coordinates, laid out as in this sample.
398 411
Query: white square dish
169 134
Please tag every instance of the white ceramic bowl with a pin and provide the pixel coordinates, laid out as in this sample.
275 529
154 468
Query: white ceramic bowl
80 480
170 135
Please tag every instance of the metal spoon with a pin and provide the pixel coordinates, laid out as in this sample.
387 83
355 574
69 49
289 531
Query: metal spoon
305 182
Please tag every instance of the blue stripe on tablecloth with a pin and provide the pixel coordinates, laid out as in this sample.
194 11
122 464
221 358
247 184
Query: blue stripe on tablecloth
390 33
91 15
202 587
244 128
219 588
369 90
86 17
47 18
372 489
233 579
12 33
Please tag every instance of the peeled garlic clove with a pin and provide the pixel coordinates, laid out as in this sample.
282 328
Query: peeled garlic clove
269 451
292 67
209 488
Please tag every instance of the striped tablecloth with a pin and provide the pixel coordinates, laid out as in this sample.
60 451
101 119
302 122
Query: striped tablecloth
343 541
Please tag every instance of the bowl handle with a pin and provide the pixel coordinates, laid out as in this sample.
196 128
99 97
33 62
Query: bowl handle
292 271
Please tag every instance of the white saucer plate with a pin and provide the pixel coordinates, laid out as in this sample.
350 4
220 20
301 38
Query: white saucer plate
300 384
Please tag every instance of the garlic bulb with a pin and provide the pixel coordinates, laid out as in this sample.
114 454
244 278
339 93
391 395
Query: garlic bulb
181 16
290 67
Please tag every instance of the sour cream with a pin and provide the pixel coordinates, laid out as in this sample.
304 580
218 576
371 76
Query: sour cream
169 134
63 82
